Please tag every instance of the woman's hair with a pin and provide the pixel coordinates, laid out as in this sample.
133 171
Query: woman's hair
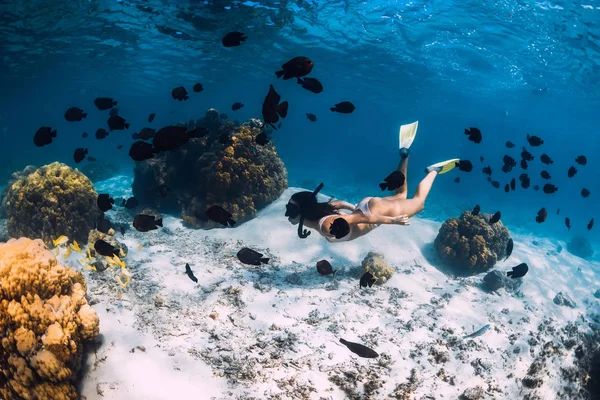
307 206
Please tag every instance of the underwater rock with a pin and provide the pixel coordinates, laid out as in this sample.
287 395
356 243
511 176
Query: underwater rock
99 170
3 232
493 280
52 201
476 393
377 266
109 238
241 176
597 294
563 300
13 178
470 244
580 247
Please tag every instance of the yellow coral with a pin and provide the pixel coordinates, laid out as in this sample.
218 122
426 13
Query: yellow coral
378 267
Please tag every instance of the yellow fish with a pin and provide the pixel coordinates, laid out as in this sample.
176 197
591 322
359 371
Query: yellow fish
89 267
60 240
89 255
75 246
56 251
122 253
139 247
111 262
118 261
67 252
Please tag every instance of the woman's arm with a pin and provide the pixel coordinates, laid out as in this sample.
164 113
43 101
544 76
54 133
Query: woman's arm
376 219
339 204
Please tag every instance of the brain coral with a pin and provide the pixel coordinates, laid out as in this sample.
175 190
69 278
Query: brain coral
52 201
13 178
377 266
240 176
470 243
44 317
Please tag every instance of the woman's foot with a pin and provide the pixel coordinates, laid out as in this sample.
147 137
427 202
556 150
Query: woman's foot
442 167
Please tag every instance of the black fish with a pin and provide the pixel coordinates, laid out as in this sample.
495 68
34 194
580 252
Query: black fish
251 257
197 132
79 154
507 188
130 203
545 174
481 158
546 159
487 170
393 181
568 223
457 180
190 274
74 114
508 160
476 210
103 225
325 268
92 159
524 164
145 134
104 103
585 193
145 223
141 151
272 109
105 249
233 39
297 67
236 106
151 117
311 117
519 271
367 279
198 88
572 171
464 165
105 202
581 160
101 134
506 168
495 184
534 140
114 111
261 139
345 107
179 93
536 187
509 248
474 135
558 211
359 349
549 188
527 156
525 181
513 184
170 138
220 215
510 145
495 218
541 216
117 123
311 84
590 224
84 135
119 147
225 139
44 136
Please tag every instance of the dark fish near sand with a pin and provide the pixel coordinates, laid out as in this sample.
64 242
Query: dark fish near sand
568 223
44 136
549 188
476 210
545 174
117 123
198 88
79 154
393 181
474 135
232 39
130 203
571 172
524 164
151 117
311 84
457 180
519 271
546 159
103 225
345 107
581 160
105 249
509 248
525 181
367 280
297 67
141 151
145 223
527 156
585 193
180 94
251 257
236 106
311 117
74 114
272 109
104 103
359 349
510 145
145 134
495 184
101 134
220 215
534 141
114 111
464 165
513 184
590 224
487 170
84 135
105 202
261 139
495 218
541 216
325 268
190 274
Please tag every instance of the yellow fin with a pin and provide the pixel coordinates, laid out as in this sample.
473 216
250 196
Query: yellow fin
67 253
118 261
89 268
139 247
75 246
60 240
122 253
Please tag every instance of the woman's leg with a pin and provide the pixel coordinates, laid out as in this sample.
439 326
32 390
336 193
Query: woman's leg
394 205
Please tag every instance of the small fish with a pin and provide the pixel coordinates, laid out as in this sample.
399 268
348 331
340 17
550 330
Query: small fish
84 135
311 117
367 279
481 158
585 193
236 106
145 134
89 255
513 184
105 202
74 114
75 246
581 160
141 151
476 210
130 203
44 136
495 184
92 159
220 215
474 135
145 223
508 160
105 249
359 349
139 247
151 117
180 94
478 332
534 141
549 188
79 154
568 223
198 88
590 224
311 84
525 181
527 156
272 109
546 159
67 253
506 168
509 248
261 139
345 107
519 271
101 134
558 211
495 218
251 257
510 145
541 215
232 39
114 111
457 180
104 103
103 225
59 241
297 67
117 123
190 274
487 170
536 187
524 164
119 147
507 188
464 165
572 171
122 230
545 174
325 268
393 181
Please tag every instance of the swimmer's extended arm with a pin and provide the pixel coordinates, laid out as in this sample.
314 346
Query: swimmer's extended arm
339 204
376 219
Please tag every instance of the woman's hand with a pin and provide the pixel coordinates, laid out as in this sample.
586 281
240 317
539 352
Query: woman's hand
401 220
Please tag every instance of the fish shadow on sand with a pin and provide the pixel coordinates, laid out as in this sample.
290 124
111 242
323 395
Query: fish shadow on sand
432 257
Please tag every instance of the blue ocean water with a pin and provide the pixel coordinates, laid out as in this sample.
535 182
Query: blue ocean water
508 68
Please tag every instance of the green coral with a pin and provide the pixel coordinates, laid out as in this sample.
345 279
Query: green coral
378 267
52 201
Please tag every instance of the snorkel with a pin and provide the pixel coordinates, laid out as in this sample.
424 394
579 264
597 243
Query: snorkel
293 210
